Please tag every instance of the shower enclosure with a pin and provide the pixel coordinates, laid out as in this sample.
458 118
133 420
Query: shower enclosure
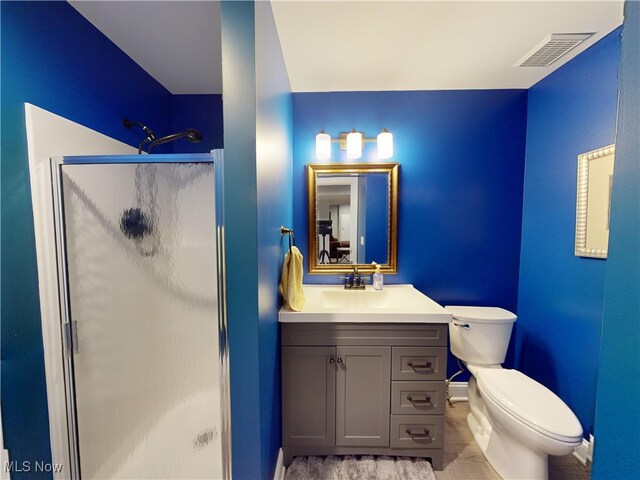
139 250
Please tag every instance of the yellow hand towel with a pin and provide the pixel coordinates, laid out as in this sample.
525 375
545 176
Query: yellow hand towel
291 280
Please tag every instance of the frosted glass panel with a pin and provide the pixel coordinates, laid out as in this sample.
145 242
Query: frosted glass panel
141 255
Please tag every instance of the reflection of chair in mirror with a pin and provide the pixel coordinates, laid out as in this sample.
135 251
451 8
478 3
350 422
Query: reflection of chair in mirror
324 229
340 251
344 254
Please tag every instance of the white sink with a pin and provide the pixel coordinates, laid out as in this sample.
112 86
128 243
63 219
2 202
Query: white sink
393 304
346 299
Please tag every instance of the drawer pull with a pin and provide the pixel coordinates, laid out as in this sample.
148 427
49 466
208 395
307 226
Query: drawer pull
419 401
423 434
419 366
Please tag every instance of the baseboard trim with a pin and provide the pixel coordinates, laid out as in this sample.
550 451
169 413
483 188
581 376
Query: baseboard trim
584 452
458 392
280 469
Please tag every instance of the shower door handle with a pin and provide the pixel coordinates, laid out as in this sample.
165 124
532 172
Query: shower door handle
71 334
74 336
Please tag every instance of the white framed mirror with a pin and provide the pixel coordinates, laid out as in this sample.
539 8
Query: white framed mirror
593 202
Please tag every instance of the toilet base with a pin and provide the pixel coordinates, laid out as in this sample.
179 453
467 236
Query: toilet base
512 460
480 435
507 457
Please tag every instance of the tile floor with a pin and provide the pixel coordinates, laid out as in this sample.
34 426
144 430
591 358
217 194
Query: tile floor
463 459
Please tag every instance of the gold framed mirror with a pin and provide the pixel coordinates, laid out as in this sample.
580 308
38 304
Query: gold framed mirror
352 217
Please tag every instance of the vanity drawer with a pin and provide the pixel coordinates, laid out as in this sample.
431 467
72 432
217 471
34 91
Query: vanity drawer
419 363
418 398
417 431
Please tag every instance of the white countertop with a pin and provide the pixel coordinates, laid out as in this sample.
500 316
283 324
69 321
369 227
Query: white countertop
392 304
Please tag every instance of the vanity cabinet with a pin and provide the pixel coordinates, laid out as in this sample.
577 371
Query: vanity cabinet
336 395
376 389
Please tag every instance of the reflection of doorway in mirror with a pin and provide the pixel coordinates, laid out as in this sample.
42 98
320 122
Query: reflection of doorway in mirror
337 200
344 223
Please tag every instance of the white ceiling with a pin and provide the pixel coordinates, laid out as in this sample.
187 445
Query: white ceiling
427 45
358 45
176 42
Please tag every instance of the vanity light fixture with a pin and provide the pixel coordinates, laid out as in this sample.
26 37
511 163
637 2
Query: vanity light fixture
323 146
385 144
354 145
353 142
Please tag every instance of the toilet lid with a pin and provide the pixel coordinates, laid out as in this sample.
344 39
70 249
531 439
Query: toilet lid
530 402
481 314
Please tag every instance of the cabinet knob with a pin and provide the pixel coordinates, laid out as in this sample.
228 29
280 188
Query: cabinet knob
340 362
331 361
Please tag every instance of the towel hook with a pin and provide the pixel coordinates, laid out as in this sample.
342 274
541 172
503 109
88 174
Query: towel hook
288 231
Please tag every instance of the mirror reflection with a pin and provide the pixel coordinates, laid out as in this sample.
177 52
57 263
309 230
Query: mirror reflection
352 216
593 206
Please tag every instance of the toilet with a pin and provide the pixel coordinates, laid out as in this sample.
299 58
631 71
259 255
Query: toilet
516 421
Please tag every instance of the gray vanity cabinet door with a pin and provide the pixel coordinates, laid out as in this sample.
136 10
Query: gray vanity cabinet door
308 396
363 396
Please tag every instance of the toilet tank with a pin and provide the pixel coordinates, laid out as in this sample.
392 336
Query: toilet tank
480 335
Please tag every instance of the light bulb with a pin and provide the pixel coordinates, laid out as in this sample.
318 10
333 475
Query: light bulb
354 145
323 146
385 144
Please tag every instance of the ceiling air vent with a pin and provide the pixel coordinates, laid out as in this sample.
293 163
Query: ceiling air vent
551 49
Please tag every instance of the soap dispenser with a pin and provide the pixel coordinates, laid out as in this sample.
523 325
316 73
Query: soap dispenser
378 279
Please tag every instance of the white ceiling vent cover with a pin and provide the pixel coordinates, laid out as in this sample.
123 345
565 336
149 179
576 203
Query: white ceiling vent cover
551 49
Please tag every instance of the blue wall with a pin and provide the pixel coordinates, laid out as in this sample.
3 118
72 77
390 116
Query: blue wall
53 58
618 401
461 157
241 234
571 111
274 166
257 138
203 112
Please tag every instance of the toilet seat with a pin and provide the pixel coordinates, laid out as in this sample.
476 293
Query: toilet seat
530 402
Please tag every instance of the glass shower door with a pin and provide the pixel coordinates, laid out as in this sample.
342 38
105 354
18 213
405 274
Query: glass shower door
140 244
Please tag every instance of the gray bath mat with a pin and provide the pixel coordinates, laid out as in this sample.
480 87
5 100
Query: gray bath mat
359 468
